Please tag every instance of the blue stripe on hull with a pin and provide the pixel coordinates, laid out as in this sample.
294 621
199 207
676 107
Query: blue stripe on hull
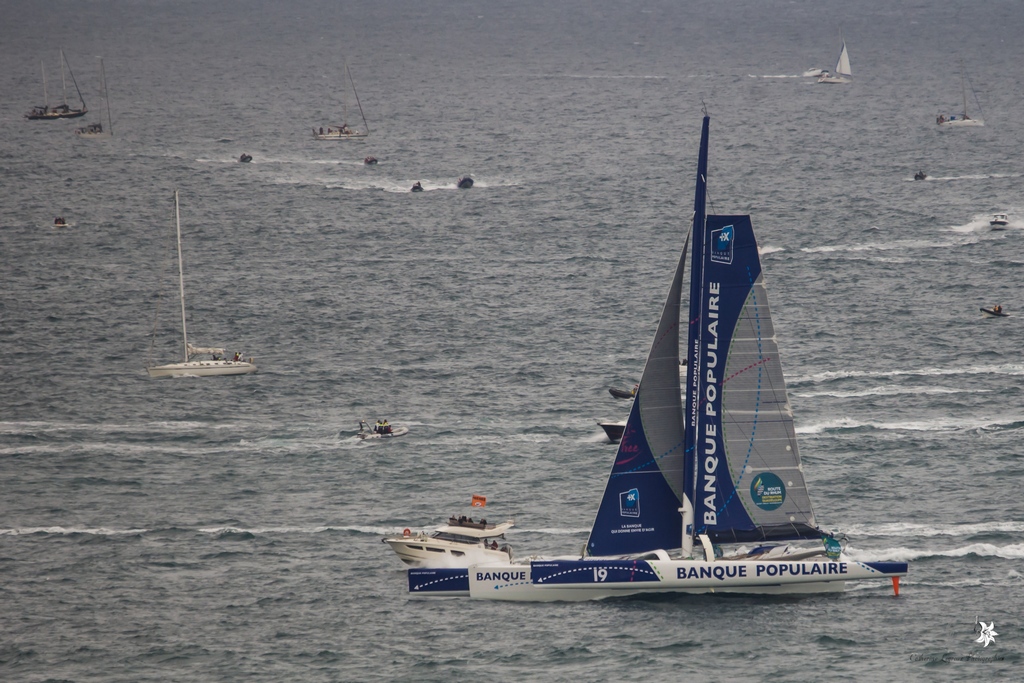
439 581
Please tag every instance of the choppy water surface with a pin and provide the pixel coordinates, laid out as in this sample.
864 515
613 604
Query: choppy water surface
228 528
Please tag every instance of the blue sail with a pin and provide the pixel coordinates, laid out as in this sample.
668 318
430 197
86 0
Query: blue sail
748 484
640 509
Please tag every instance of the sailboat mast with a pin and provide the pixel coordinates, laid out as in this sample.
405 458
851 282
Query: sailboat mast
358 104
46 98
963 87
63 80
693 347
181 275
106 96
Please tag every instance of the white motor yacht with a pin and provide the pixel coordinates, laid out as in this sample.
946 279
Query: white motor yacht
459 543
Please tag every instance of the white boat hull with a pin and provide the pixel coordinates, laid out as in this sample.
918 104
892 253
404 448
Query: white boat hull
340 136
425 551
396 431
202 368
596 579
834 79
962 123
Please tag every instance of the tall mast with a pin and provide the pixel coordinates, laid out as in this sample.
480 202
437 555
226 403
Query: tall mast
690 412
181 275
63 81
46 98
358 104
963 86
106 96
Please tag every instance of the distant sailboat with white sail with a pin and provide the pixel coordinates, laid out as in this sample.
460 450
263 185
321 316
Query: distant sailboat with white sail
218 364
95 130
344 131
843 72
963 119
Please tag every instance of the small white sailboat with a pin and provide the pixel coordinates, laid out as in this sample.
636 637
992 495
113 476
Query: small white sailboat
344 131
218 364
95 130
843 72
710 500
62 111
963 119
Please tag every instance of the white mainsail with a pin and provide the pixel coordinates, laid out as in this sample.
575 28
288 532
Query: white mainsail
843 65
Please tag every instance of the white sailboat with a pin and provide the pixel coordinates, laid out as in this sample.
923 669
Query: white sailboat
963 119
62 111
95 130
710 500
843 72
217 365
344 131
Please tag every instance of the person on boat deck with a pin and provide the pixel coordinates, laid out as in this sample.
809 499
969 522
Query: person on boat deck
238 356
997 308
377 426
385 428
940 119
321 130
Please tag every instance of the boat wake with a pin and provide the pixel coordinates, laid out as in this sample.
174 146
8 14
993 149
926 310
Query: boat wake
910 529
1007 552
938 425
1015 369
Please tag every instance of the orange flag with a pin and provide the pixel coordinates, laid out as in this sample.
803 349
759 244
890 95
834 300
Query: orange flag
479 501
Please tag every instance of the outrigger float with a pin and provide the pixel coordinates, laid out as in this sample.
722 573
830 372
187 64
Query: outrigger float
723 474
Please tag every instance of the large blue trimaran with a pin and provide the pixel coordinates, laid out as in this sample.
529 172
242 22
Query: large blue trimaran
709 464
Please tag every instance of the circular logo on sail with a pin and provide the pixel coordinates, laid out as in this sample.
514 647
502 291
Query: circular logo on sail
768 491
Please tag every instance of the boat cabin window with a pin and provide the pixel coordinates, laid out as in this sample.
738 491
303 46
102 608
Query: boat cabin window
456 538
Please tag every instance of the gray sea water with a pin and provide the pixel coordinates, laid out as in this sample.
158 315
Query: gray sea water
229 528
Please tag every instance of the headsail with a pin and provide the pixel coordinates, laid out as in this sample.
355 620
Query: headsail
645 490
749 485
843 65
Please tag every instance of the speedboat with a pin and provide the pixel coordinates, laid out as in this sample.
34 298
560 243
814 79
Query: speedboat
370 161
999 220
613 430
459 543
366 433
245 158
920 175
994 312
59 222
417 187
465 182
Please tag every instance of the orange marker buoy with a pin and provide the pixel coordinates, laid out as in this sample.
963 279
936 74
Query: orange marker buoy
896 586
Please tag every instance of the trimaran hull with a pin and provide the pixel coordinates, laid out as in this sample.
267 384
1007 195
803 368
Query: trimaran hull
597 578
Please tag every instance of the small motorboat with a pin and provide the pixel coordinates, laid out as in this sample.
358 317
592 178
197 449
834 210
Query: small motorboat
245 158
459 543
370 161
920 175
613 430
417 187
994 312
365 432
59 222
465 182
622 393
999 220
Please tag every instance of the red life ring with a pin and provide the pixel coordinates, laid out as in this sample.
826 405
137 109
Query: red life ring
406 533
